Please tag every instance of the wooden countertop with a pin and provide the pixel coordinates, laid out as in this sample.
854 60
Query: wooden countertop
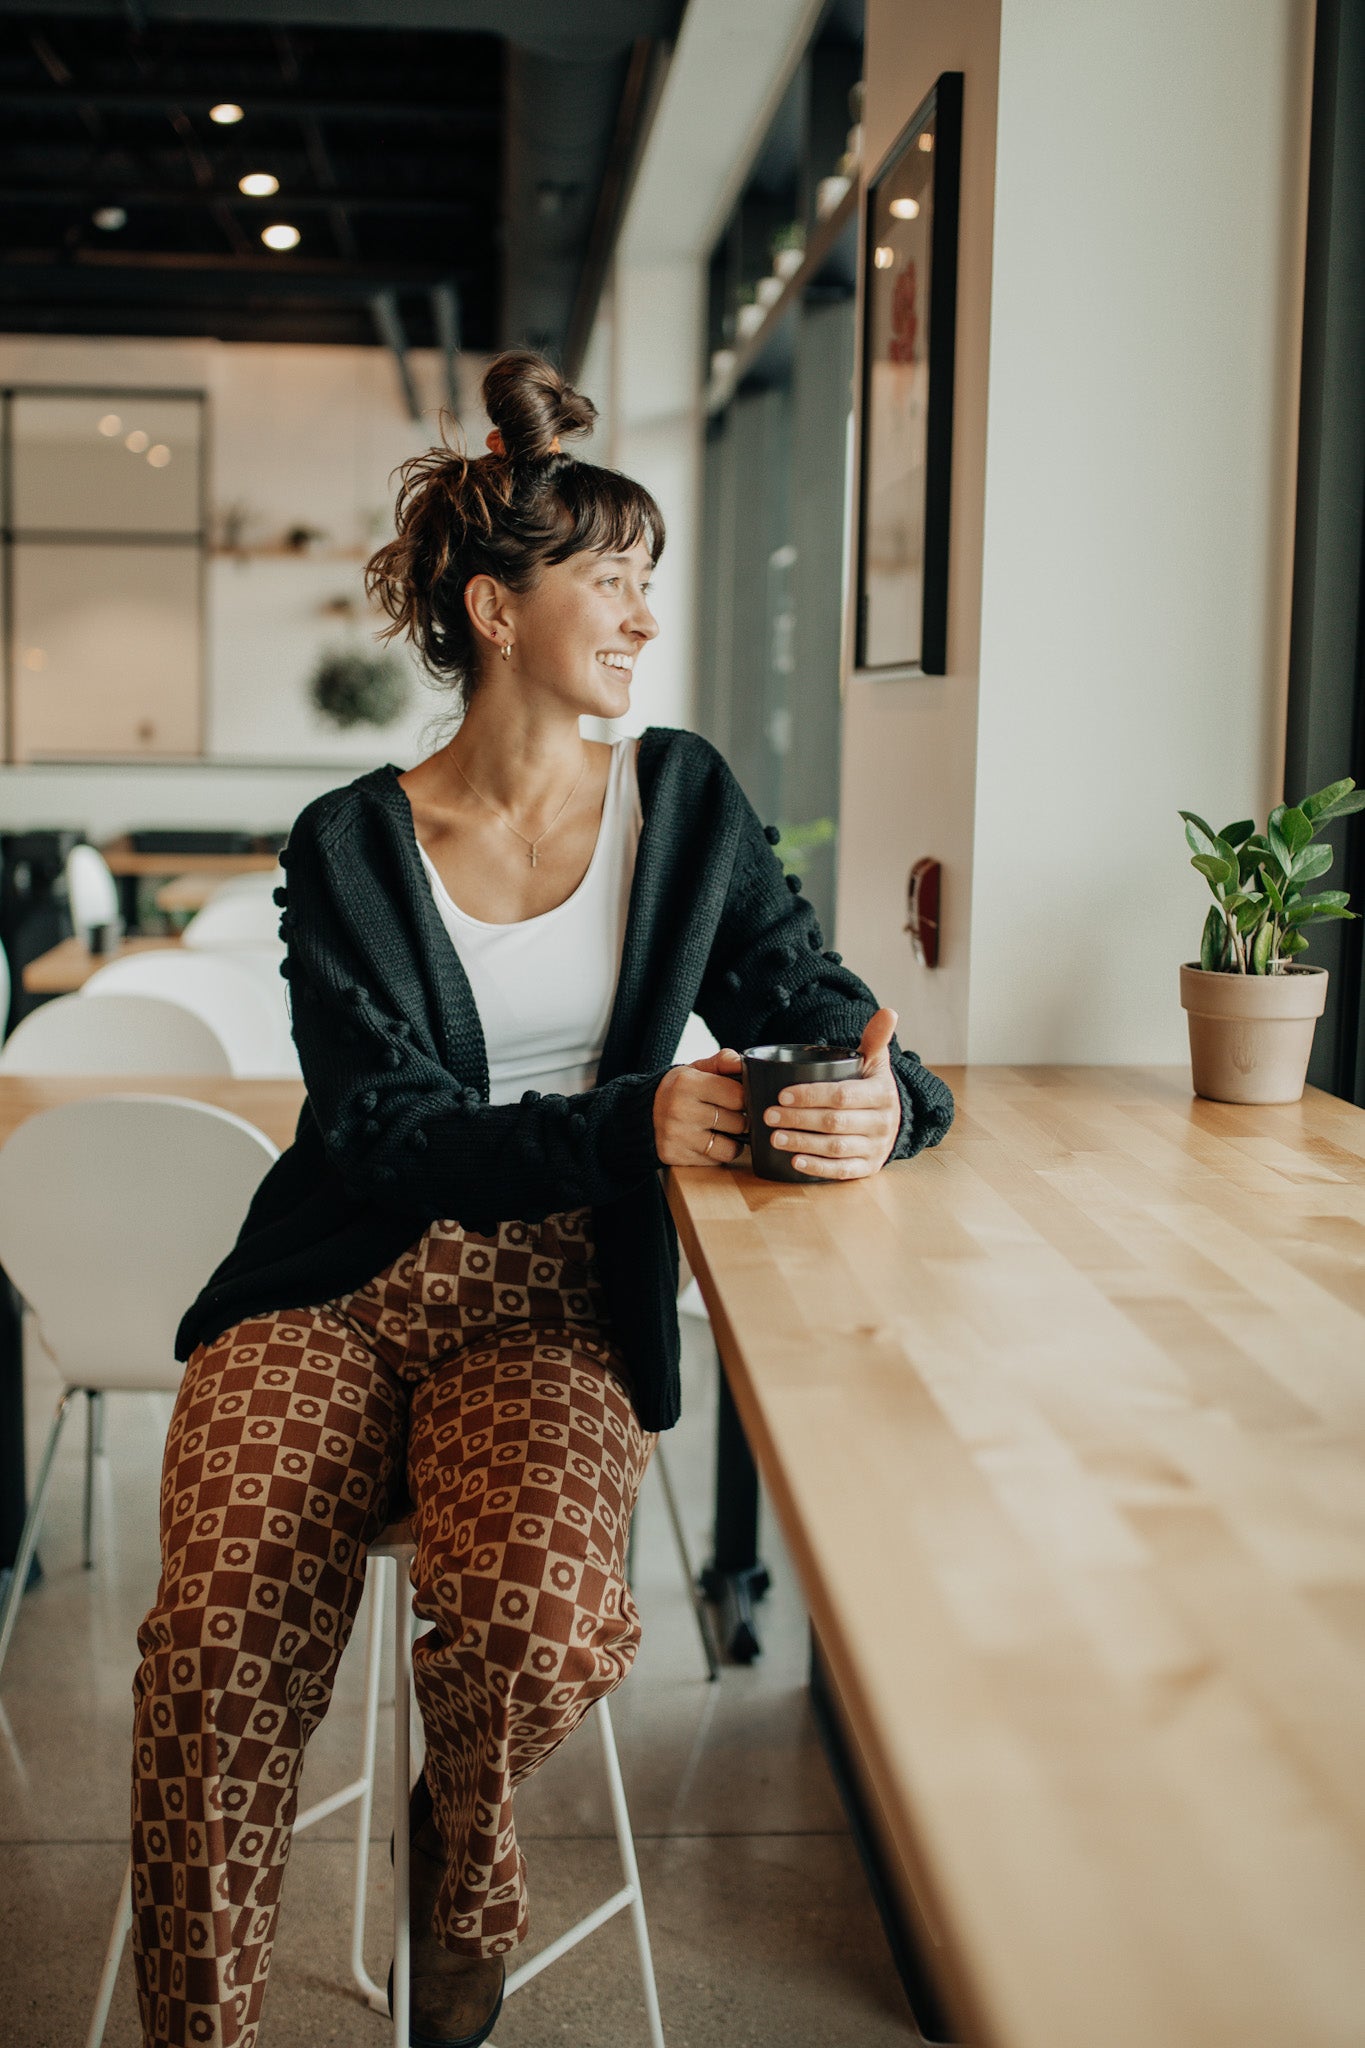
273 1106
1065 1423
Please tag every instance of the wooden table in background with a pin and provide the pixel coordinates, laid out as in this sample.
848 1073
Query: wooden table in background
273 1106
122 860
1065 1425
68 965
187 891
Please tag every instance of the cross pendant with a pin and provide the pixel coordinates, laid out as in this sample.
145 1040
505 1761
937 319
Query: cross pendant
533 857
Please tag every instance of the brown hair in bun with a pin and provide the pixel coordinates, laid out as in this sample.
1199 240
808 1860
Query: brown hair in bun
508 514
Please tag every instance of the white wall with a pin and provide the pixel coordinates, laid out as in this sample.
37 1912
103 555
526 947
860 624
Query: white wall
1129 293
1150 195
297 436
908 782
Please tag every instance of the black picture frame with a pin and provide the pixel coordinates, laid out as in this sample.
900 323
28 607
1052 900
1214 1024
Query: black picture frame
908 348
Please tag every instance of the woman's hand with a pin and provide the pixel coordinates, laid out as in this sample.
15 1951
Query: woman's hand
699 1112
843 1130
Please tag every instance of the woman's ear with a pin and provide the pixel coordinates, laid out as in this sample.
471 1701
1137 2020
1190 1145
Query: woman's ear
484 602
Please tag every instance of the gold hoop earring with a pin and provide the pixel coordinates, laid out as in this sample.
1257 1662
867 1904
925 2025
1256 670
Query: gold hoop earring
507 650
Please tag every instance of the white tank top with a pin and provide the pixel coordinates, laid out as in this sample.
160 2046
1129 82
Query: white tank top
544 987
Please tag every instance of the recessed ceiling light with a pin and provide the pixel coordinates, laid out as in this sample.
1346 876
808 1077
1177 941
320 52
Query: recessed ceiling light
905 209
926 143
884 257
158 455
225 113
259 185
111 424
280 236
110 218
136 441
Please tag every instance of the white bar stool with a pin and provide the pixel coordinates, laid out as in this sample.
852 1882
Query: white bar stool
389 1563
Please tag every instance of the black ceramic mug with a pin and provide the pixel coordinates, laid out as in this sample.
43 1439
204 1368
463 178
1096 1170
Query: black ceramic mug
768 1069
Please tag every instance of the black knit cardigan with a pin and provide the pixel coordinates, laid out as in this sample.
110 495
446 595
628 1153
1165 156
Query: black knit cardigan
397 1129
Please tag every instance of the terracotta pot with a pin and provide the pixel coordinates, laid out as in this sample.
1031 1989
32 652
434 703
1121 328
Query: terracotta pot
1251 1034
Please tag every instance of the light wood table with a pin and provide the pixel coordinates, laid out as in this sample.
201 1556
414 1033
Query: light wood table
187 892
1065 1425
68 965
273 1106
122 860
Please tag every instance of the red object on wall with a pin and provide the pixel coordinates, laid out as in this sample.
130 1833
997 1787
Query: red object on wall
922 899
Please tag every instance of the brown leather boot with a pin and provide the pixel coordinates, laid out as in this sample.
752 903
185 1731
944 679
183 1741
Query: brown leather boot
455 1999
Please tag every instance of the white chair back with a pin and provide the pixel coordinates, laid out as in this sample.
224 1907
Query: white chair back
91 889
241 917
116 1034
114 1211
239 994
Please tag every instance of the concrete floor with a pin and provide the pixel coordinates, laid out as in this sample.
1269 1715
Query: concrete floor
764 1934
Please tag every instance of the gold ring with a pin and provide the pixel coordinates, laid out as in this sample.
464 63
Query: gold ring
715 1121
709 1143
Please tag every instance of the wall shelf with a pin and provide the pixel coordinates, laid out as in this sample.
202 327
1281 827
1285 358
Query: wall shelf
819 248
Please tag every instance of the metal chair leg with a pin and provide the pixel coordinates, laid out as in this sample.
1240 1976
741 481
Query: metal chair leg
630 1870
28 1541
94 1448
402 1790
701 1612
113 1956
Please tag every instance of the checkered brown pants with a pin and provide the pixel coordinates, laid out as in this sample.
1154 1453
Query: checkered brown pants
477 1376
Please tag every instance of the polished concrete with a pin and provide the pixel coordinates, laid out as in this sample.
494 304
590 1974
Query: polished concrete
764 1934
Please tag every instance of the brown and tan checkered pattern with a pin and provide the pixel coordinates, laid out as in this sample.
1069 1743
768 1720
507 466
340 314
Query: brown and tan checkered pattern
479 1370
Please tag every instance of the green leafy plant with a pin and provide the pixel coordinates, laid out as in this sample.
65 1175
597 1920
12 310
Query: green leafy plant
1259 882
351 687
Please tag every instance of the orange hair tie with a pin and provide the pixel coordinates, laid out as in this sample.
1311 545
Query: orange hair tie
496 443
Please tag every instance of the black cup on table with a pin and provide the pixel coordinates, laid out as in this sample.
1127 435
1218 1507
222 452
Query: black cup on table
102 938
768 1069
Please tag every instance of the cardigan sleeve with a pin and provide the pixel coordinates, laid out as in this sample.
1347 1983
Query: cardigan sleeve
399 1127
769 979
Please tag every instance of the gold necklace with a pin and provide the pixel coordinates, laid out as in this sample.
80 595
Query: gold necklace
532 843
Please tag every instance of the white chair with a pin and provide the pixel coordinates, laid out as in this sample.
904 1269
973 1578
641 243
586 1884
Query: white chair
138 1197
239 995
389 1584
91 891
238 917
116 1034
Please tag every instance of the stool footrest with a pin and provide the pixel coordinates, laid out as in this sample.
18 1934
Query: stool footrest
553 1950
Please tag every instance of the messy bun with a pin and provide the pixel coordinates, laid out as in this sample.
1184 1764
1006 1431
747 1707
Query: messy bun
509 513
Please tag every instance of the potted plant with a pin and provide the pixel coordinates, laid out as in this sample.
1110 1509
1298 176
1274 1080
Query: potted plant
1252 1008
351 686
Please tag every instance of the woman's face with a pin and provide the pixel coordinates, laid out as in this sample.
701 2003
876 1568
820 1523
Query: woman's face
577 634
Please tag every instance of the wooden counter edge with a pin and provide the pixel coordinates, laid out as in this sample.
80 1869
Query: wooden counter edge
923 1908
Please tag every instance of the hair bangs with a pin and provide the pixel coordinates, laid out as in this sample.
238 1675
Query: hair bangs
605 513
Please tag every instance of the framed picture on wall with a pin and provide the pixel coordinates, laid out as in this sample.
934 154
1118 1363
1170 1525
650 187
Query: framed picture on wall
909 320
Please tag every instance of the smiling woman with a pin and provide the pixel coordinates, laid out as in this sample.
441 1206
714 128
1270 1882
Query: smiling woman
491 962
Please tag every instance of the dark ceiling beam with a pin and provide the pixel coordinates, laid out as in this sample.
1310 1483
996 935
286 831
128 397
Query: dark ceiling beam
445 311
99 192
472 120
639 100
388 322
49 272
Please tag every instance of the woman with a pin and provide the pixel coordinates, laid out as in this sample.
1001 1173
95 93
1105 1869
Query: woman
458 1286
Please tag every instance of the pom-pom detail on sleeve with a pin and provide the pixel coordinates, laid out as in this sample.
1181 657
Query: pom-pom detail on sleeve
418 1140
794 884
835 959
283 856
372 1127
731 978
393 1057
772 833
280 896
286 968
578 1124
354 994
369 1101
531 1095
